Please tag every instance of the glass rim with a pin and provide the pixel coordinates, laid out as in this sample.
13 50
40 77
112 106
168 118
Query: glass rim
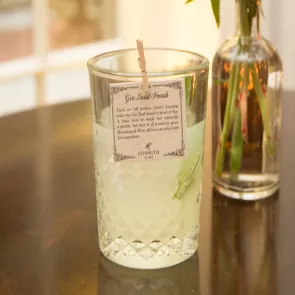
91 63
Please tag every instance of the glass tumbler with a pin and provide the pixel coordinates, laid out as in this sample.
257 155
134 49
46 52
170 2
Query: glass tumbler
148 212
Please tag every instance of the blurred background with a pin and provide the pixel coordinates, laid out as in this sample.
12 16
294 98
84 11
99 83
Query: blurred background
44 44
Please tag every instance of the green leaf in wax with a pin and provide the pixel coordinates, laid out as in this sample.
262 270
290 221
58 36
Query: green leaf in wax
236 144
186 176
188 1
216 10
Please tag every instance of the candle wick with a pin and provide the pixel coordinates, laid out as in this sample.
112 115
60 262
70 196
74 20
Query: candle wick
142 64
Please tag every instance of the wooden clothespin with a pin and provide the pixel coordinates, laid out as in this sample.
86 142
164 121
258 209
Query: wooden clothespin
142 65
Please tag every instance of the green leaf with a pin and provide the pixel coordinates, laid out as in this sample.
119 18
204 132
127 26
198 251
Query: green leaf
216 10
188 1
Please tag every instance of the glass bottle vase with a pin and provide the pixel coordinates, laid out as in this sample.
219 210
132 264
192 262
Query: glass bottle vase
246 104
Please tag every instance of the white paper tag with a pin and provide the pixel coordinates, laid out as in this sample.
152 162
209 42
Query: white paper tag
149 126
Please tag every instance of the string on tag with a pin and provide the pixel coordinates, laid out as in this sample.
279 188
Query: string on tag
142 64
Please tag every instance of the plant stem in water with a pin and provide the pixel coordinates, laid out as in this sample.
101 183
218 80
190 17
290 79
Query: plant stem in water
264 110
240 130
229 116
236 144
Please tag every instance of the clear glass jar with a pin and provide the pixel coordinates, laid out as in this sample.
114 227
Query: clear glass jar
148 212
246 102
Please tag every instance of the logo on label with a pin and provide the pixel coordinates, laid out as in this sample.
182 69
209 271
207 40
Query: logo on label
148 153
148 145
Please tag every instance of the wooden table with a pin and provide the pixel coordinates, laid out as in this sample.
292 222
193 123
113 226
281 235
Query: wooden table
48 228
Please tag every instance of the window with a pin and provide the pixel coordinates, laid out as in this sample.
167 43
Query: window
44 48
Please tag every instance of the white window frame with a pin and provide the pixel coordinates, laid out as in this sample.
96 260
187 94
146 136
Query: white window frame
44 62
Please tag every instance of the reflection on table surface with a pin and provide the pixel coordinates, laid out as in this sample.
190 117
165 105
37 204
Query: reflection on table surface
179 279
243 257
243 252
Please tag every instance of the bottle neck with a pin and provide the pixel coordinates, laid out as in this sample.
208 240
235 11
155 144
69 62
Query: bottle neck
248 18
